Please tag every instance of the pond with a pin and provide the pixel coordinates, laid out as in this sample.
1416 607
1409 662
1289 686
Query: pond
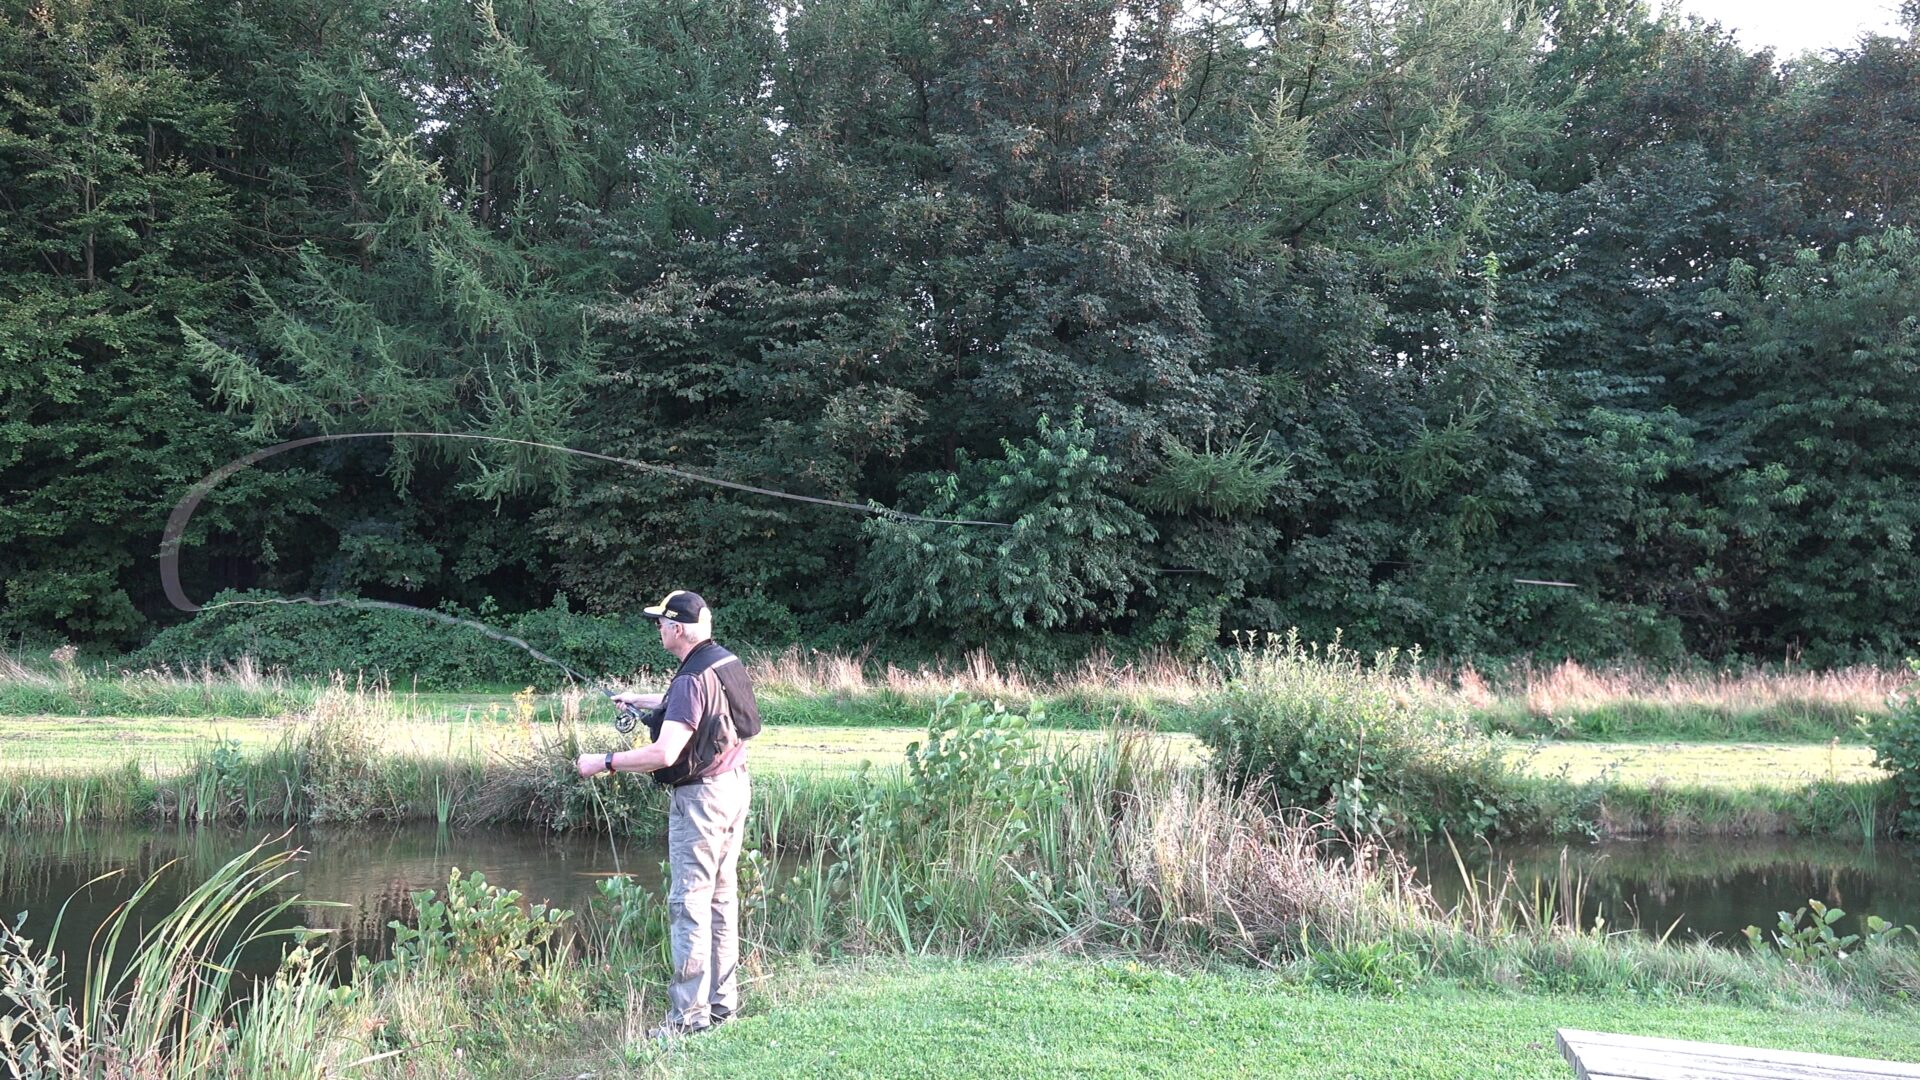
368 875
1709 887
1701 887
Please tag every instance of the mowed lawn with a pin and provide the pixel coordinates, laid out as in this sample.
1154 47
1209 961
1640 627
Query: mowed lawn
90 744
1731 764
160 744
1059 1017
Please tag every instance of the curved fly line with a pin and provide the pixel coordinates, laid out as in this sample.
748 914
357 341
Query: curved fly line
183 512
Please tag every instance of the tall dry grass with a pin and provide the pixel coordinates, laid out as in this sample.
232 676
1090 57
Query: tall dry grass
62 688
1160 674
1571 687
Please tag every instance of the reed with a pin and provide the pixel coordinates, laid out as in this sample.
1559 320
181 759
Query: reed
165 1007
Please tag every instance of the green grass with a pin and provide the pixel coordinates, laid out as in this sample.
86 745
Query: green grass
1059 1017
67 744
1725 764
162 745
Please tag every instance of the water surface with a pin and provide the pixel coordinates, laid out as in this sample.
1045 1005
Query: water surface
1709 888
367 875
1700 887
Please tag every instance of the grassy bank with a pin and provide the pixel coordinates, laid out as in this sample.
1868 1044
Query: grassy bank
1094 1017
364 754
1564 701
1379 743
1205 918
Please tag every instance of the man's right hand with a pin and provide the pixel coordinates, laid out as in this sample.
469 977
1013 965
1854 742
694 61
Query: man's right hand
643 702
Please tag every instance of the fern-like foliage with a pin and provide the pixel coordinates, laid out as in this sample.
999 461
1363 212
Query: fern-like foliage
1236 479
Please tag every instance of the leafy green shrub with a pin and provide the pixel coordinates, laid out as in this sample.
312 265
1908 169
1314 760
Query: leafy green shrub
980 759
476 932
416 650
1896 748
591 644
753 621
1817 940
1322 729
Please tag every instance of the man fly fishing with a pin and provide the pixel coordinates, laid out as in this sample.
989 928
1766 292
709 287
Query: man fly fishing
699 728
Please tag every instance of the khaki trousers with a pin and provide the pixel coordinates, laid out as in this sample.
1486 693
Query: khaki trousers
705 827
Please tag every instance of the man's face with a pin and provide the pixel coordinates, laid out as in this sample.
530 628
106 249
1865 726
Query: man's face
668 628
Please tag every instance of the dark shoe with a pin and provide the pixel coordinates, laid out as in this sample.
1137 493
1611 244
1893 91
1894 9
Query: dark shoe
718 1015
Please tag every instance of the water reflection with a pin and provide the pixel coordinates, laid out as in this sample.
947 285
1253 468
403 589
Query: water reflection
366 875
1711 888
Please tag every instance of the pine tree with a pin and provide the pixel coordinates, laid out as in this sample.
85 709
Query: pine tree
112 229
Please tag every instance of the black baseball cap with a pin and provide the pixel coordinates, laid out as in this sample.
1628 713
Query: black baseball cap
682 606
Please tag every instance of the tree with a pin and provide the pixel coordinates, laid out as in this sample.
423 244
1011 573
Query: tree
112 229
439 288
1817 425
1848 136
1071 552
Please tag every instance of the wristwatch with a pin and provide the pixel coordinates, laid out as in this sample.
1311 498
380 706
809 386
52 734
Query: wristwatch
609 761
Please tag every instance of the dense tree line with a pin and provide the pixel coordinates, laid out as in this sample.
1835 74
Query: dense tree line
1323 313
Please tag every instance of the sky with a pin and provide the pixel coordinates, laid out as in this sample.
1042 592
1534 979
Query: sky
1792 25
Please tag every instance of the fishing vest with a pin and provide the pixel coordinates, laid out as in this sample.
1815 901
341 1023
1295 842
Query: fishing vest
728 714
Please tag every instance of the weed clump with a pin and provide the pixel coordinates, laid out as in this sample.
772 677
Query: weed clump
1318 727
342 751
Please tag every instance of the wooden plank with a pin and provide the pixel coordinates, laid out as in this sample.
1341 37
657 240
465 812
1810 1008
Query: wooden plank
1610 1040
1694 1067
1604 1056
1654 1065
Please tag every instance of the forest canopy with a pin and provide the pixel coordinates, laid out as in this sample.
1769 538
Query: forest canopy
1316 313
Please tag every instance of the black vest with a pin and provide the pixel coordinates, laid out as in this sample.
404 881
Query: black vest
743 714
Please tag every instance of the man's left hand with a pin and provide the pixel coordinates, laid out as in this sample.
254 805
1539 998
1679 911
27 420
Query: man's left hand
591 765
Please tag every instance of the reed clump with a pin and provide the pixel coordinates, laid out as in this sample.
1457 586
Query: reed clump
1318 725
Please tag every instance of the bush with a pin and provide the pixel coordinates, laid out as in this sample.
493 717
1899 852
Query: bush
478 932
980 759
344 778
421 651
1896 748
1320 728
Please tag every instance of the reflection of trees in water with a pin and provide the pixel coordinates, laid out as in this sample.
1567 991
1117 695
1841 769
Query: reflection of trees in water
32 861
362 925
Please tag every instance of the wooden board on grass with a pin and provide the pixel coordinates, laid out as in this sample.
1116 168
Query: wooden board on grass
1597 1055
